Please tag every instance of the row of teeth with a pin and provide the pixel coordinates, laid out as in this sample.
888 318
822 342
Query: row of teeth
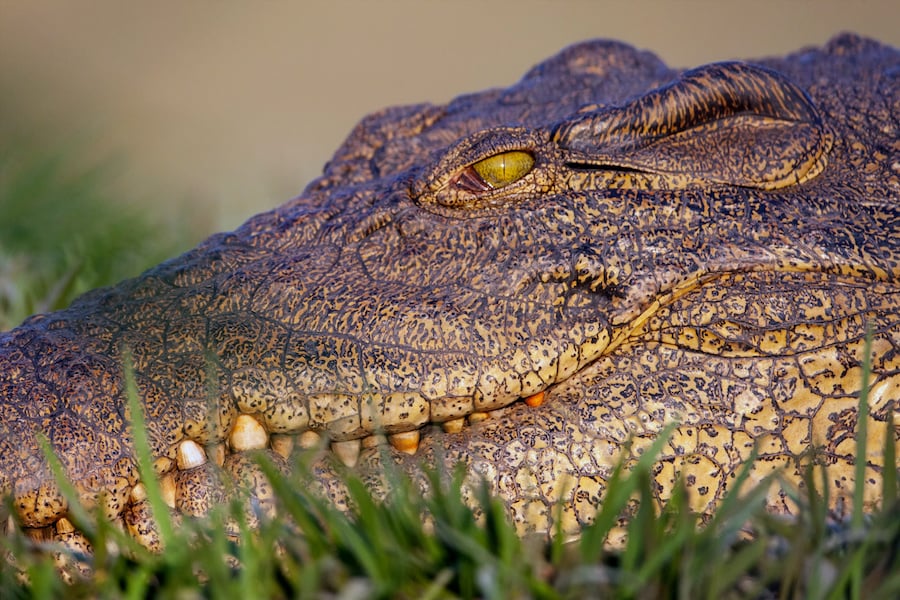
248 434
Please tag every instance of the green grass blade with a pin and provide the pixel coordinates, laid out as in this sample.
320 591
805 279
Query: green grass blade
730 571
144 457
889 480
619 490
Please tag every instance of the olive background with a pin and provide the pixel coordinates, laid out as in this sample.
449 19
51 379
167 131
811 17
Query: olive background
225 108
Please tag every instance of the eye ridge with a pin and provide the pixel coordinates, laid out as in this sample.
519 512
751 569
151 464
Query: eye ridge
496 171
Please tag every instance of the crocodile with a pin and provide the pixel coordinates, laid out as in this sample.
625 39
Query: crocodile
534 281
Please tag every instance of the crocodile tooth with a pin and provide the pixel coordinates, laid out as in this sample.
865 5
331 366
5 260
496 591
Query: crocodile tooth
37 534
190 455
453 425
407 441
371 441
167 490
475 417
309 439
248 434
138 493
111 546
63 525
218 454
282 444
535 400
347 451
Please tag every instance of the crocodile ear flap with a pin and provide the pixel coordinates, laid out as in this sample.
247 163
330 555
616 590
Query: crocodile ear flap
727 123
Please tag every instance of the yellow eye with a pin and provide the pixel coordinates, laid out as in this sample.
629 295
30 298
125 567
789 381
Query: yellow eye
496 171
503 169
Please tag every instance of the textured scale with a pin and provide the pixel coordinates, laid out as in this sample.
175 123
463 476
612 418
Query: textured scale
706 247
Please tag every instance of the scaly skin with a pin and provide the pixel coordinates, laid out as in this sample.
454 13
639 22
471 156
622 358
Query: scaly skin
706 247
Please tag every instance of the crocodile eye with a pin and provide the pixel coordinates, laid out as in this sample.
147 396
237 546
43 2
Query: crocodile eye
496 171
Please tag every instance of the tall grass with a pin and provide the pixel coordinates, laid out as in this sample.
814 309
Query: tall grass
412 545
434 546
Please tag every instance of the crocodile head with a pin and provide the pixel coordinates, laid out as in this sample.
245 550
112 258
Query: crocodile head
620 244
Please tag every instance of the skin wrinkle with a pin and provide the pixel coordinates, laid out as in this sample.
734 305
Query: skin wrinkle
704 247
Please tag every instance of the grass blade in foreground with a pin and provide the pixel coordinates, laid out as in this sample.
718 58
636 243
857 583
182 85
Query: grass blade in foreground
389 550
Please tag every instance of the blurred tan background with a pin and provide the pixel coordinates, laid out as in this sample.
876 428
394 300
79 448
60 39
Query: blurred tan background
233 107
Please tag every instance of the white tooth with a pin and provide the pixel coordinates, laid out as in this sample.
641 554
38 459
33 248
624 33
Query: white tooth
167 489
407 441
371 441
347 451
475 417
248 434
64 525
453 425
138 493
282 445
309 439
190 455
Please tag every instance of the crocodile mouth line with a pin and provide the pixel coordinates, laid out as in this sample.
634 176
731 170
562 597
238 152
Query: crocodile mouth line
191 482
249 433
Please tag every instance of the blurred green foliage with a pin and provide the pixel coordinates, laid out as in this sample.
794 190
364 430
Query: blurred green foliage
62 233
